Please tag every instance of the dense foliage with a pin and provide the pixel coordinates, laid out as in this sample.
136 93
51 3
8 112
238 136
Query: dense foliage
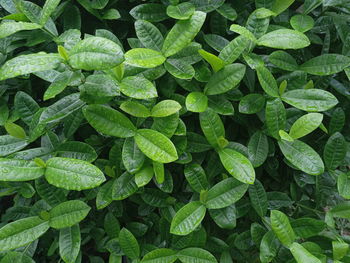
164 131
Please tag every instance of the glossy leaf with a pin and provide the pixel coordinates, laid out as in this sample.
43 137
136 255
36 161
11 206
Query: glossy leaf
144 58
284 39
305 125
282 228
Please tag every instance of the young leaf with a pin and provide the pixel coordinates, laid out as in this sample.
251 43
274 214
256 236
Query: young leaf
305 125
302 255
156 146
181 11
237 165
182 33
165 255
188 255
144 58
109 121
282 228
196 102
302 23
72 174
187 218
165 108
138 87
302 156
135 109
68 214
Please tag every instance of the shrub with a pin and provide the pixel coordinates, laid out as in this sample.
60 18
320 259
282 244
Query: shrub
174 131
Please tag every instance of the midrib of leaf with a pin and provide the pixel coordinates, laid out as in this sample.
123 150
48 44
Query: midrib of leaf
240 167
156 146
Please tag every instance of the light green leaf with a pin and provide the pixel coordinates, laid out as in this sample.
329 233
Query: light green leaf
149 35
15 130
129 244
225 79
11 27
138 87
135 109
237 165
282 228
144 58
95 53
305 125
48 9
302 23
280 5
165 108
144 176
326 64
182 33
284 39
313 100
215 62
160 255
26 64
243 31
59 84
341 210
188 218
285 136
302 156
22 232
301 254
334 151
195 254
196 102
225 193
267 81
181 11
109 121
69 243
72 174
156 146
340 249
283 60
68 214
19 170
212 126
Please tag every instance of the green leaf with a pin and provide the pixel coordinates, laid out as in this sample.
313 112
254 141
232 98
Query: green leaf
59 84
343 184
144 58
258 149
19 170
301 254
124 186
179 68
165 108
284 39
196 177
156 146
313 100
132 157
196 102
225 79
334 151
138 87
9 144
188 218
104 195
77 150
68 214
48 9
225 217
69 243
341 210
326 64
243 31
159 174
182 33
26 64
268 247
150 12
267 81
237 165
258 198
234 49
135 109
302 156
109 121
11 27
285 136
129 244
164 255
22 232
282 228
26 106
251 103
15 130
302 23
149 35
191 255
212 126
280 5
305 125
283 60
72 174
181 11
215 62
95 53
16 257
144 176
340 249
225 193
307 227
